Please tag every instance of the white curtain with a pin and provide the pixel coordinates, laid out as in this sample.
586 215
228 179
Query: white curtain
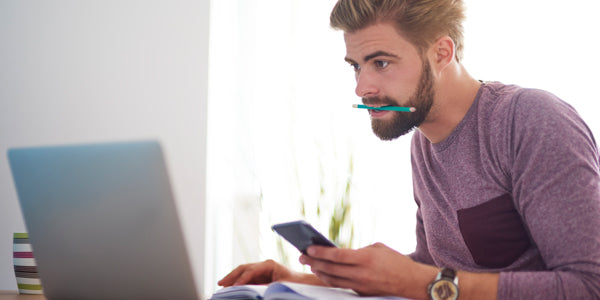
282 133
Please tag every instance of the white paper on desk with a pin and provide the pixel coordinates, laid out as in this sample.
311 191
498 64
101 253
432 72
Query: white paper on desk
285 290
297 291
249 291
289 291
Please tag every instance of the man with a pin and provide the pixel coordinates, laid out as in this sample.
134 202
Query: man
506 179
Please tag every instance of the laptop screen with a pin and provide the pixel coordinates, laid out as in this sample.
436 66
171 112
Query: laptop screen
102 221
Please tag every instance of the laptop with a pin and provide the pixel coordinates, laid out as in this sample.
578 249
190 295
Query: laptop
102 221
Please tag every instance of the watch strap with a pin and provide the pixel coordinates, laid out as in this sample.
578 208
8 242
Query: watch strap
448 273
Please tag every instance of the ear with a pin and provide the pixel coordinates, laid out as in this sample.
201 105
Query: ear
442 53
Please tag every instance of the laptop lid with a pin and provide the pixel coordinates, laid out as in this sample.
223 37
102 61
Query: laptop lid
102 221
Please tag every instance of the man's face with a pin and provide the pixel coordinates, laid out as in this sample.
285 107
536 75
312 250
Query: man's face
390 71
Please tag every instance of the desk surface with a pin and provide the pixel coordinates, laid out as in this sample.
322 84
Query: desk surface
14 295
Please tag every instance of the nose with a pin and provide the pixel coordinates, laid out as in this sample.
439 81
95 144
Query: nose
365 84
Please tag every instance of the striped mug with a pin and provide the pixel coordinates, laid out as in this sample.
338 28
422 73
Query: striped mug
28 278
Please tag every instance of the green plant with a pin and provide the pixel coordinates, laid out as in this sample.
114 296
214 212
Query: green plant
340 218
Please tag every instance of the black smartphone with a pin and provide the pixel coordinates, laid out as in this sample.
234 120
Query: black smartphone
301 235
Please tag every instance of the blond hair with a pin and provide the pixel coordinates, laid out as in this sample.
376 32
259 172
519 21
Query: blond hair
420 21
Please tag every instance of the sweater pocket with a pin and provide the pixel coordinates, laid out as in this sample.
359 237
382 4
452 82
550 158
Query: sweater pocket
493 232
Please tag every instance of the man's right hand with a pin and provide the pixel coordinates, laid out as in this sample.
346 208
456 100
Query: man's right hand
266 272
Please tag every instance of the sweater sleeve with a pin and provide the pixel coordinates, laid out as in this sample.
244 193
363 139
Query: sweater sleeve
554 167
421 253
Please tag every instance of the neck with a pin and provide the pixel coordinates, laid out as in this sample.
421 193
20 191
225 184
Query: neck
455 91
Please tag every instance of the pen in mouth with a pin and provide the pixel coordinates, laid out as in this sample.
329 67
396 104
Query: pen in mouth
393 108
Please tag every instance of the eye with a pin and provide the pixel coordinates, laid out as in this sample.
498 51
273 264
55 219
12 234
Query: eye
381 64
356 67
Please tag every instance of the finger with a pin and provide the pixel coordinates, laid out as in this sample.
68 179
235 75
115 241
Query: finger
309 260
352 276
230 278
338 255
256 274
333 268
247 277
305 259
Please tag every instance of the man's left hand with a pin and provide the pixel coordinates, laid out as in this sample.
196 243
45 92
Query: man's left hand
373 270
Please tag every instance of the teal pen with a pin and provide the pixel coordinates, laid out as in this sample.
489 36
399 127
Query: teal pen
394 108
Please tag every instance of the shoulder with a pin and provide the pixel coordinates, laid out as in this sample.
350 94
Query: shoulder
533 105
535 123
499 100
513 120
524 110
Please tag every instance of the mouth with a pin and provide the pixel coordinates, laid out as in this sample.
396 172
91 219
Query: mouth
376 113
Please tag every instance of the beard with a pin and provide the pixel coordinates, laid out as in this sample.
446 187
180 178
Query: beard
404 122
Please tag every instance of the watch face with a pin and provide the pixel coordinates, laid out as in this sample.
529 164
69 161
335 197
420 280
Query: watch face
444 290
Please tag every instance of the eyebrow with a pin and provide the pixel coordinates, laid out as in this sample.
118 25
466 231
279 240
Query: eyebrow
373 55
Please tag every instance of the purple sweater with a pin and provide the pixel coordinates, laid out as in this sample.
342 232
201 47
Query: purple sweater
514 189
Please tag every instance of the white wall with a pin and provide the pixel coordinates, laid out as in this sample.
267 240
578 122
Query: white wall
92 71
546 44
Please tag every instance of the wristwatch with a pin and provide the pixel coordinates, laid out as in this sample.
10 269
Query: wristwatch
445 286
